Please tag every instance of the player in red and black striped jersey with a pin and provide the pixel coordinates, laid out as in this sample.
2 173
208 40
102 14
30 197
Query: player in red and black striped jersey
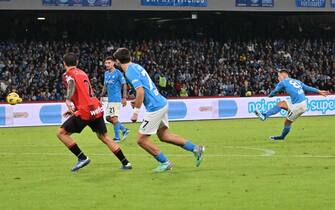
88 107
84 109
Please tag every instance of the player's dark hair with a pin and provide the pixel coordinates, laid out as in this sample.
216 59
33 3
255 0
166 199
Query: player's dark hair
283 71
123 55
109 58
70 59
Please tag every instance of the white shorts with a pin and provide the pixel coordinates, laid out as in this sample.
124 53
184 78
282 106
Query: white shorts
154 120
113 109
295 110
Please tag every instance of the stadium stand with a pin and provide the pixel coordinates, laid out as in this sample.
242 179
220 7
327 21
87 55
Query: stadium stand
229 62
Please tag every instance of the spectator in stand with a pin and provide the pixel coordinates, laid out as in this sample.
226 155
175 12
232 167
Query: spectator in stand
183 91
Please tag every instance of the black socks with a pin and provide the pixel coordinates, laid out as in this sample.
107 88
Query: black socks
77 152
119 154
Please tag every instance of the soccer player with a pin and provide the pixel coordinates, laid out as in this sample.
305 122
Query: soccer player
295 107
84 109
114 82
156 117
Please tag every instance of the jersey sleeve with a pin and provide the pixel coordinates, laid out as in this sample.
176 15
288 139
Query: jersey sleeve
309 89
134 78
277 89
66 79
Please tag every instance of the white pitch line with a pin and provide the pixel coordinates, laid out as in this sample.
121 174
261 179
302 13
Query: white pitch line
265 153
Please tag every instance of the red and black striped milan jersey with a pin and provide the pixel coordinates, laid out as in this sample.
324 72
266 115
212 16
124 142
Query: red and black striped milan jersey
87 106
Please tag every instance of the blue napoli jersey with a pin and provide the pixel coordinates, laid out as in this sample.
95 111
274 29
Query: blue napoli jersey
294 88
139 77
113 82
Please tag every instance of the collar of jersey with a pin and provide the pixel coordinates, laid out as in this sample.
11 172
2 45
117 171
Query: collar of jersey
72 68
129 66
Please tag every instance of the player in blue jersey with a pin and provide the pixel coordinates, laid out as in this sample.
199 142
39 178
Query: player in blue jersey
156 116
114 83
295 107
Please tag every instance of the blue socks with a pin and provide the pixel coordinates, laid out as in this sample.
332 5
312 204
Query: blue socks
161 158
286 130
122 128
117 127
189 146
276 109
117 130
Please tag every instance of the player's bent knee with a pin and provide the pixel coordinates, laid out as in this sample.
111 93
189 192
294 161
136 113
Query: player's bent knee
141 138
60 132
140 141
164 137
163 134
109 119
288 122
114 120
282 104
102 137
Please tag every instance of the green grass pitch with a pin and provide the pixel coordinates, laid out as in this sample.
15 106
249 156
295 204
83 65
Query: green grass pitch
241 169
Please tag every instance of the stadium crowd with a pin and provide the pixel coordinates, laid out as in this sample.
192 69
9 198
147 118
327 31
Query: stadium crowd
179 67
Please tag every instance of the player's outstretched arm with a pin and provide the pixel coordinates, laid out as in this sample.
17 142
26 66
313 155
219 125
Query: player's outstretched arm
324 92
310 89
277 89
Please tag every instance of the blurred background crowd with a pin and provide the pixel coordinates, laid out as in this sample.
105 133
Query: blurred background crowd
190 64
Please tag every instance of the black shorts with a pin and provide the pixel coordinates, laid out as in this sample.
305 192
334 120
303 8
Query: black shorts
75 125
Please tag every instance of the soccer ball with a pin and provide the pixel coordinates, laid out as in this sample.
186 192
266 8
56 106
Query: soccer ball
248 94
13 98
